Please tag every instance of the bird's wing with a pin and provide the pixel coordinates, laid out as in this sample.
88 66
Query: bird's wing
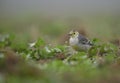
84 40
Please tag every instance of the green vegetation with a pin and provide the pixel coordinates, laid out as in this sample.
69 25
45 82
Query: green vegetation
40 62
35 49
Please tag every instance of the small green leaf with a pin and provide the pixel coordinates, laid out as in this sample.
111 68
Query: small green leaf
39 43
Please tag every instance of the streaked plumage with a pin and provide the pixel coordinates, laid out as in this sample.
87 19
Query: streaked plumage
78 41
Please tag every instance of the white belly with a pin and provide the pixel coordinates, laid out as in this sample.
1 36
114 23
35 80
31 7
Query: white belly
73 41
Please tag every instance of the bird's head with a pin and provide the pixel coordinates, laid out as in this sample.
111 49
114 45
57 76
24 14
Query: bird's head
73 33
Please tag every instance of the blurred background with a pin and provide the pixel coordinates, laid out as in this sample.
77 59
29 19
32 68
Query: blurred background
28 20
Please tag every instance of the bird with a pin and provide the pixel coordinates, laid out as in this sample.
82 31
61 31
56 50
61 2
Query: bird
79 42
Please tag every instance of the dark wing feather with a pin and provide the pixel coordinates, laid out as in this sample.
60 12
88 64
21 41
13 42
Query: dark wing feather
84 40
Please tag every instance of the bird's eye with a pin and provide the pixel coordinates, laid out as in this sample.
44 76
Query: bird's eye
73 33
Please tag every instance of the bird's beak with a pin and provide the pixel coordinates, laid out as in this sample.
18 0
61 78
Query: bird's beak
69 34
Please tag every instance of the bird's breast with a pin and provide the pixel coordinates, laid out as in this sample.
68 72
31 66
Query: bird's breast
73 41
